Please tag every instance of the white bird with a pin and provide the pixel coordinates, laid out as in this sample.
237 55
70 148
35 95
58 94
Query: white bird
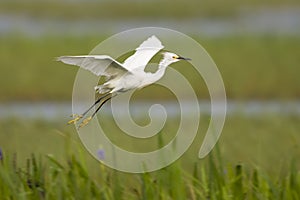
122 77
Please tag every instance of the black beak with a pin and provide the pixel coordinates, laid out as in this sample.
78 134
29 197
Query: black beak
182 58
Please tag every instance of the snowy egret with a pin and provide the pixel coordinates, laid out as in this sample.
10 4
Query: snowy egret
122 77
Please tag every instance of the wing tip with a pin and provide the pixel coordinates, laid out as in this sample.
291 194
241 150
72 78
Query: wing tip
151 43
63 59
153 37
58 58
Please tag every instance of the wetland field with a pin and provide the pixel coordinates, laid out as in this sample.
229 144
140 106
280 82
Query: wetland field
256 47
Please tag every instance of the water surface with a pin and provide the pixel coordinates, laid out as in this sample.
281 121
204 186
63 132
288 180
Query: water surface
279 21
54 110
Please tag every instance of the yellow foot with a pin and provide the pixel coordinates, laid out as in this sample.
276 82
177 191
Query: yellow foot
77 117
85 122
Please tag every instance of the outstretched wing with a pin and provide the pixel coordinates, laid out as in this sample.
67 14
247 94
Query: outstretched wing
143 54
100 65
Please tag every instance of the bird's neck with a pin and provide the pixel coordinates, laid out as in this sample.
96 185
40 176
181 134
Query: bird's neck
162 66
153 77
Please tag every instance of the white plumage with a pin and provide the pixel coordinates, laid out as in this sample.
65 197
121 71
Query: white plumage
122 76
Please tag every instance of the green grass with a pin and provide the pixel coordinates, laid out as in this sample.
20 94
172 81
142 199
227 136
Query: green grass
34 74
47 178
257 67
135 9
266 141
256 158
253 67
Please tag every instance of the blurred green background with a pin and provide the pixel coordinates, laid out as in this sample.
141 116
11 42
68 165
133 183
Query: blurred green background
255 45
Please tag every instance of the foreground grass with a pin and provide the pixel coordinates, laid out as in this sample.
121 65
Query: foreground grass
253 67
267 142
46 178
256 158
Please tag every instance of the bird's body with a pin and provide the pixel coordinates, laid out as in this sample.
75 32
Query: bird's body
135 79
122 77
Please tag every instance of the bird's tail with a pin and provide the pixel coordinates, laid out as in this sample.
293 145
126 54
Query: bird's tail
102 89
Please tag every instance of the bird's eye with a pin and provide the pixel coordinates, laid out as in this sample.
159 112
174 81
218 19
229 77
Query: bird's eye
174 57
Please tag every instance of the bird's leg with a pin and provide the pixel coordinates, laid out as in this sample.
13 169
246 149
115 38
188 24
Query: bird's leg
96 102
101 105
78 117
86 121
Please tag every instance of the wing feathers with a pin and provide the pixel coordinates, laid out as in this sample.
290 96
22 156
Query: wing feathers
143 54
103 65
151 43
100 65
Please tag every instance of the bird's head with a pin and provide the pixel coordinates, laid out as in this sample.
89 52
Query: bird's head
172 57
